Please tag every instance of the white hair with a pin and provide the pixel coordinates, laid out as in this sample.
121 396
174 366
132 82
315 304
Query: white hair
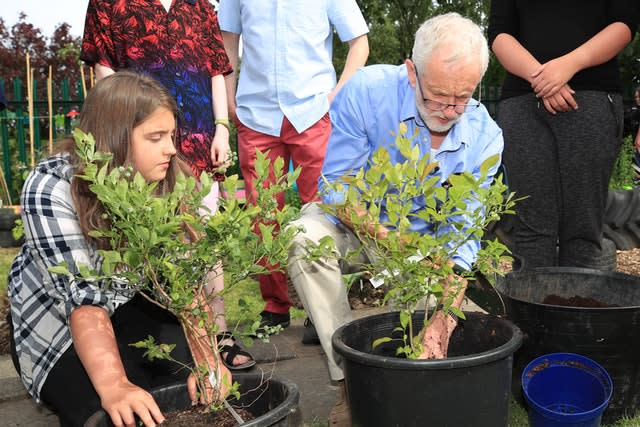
461 36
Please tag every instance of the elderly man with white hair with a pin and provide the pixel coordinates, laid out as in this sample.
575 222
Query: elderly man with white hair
432 94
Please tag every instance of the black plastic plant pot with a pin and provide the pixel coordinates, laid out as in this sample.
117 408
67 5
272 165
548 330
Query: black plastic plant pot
469 388
8 217
609 334
271 400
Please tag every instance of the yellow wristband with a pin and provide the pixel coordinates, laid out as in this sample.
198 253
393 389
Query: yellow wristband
223 122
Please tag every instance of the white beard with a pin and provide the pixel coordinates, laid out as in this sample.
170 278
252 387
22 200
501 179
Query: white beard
432 120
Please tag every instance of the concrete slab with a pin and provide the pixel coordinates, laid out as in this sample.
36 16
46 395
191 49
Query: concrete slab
10 385
23 412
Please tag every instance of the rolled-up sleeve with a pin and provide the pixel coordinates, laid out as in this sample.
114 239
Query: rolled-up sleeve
229 16
346 17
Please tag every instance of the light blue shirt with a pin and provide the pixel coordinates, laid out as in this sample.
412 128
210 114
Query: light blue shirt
286 67
366 114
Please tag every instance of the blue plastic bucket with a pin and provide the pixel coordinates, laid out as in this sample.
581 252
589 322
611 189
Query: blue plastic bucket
566 389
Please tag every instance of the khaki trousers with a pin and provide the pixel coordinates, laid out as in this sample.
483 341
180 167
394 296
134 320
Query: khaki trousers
319 283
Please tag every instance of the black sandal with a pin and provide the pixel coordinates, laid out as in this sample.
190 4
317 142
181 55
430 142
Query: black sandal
233 351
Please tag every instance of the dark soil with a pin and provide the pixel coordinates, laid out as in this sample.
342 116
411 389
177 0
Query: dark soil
197 416
361 294
575 301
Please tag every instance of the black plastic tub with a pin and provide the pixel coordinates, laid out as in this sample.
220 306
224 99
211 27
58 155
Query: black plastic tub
469 388
270 400
610 335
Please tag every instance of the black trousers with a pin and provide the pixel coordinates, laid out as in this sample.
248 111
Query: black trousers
562 164
68 390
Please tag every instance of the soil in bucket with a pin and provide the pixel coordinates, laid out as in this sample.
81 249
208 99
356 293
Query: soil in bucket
271 401
198 416
607 332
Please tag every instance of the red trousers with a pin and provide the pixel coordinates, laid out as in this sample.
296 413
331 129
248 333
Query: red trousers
305 150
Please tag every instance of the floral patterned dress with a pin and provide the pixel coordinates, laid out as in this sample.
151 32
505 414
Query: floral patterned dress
181 48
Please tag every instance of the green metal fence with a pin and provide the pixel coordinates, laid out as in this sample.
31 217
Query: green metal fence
17 154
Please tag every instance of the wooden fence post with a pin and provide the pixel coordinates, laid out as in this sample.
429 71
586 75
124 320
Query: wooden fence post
4 134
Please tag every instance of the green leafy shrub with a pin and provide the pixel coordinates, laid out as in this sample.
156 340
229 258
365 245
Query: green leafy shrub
622 175
414 266
152 248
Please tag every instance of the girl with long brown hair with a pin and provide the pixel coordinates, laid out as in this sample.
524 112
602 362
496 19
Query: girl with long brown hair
71 336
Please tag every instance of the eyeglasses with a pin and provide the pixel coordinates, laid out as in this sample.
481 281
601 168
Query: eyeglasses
441 106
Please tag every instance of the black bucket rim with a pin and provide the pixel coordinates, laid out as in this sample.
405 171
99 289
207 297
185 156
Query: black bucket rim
505 350
501 283
282 410
285 408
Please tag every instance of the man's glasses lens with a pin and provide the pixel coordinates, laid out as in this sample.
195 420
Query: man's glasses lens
441 106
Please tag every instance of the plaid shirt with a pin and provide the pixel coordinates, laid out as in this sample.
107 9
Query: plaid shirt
42 302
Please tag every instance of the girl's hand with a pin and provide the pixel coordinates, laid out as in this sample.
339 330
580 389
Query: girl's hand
123 400
220 151
216 393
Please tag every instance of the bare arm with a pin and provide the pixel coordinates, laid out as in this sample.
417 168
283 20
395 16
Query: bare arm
356 58
551 76
220 143
102 71
518 61
514 57
231 45
96 346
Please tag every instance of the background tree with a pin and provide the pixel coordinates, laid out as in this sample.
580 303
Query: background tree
61 51
630 66
23 39
393 24
64 54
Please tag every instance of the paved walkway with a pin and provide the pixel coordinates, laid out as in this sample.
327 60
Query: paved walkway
284 356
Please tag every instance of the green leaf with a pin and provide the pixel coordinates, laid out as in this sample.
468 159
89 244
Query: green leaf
490 162
380 341
61 268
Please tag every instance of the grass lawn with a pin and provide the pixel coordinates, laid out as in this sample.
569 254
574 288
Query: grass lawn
6 258
245 302
252 305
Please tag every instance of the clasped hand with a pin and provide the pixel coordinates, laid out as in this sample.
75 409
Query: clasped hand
550 84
